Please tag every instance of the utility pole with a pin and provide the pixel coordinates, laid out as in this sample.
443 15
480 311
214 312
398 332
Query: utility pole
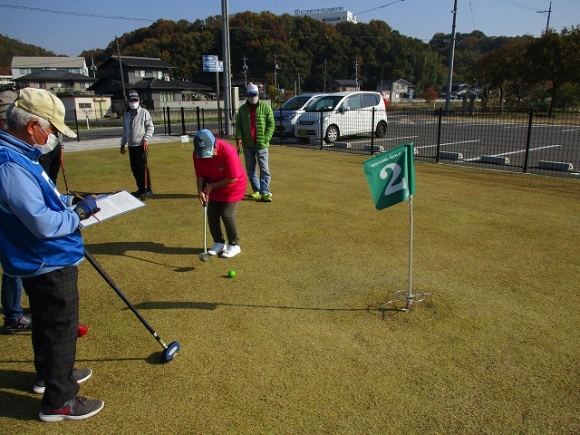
93 67
121 71
549 11
324 86
245 72
227 68
356 74
451 57
296 93
276 68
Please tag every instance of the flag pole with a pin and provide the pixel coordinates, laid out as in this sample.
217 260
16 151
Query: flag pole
410 295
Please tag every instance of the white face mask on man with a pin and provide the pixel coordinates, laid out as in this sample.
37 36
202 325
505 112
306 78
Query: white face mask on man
134 105
51 143
253 100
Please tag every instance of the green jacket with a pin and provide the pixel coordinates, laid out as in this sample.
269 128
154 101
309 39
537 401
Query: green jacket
264 126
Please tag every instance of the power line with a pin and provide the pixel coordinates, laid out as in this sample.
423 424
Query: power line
519 5
77 14
379 7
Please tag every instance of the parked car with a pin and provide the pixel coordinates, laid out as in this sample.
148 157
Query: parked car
287 115
340 114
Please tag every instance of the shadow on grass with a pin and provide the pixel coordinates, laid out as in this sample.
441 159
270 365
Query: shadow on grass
172 196
121 249
424 311
211 306
18 406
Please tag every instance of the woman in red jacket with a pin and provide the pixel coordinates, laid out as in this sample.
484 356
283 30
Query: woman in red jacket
221 184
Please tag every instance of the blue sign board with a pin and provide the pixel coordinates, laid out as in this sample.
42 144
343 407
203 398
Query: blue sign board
212 64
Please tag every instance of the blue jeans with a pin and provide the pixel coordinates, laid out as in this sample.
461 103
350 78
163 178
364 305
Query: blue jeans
251 155
10 297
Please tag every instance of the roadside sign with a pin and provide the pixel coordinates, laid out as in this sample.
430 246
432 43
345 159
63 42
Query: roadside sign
212 64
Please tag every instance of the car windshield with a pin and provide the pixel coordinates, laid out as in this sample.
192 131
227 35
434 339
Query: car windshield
294 103
324 103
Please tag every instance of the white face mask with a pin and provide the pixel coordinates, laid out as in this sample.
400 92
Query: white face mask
51 143
134 105
253 100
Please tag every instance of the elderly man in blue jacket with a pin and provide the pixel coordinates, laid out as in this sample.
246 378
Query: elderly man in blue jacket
41 243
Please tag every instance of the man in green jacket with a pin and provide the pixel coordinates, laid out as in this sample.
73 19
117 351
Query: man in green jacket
254 129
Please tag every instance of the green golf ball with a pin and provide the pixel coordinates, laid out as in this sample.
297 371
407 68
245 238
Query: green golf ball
232 273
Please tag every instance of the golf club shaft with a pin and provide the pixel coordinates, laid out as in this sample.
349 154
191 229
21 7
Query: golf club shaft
112 284
63 172
205 228
145 158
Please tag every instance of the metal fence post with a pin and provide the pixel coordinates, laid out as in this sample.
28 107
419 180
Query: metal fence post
528 139
198 120
281 127
77 126
183 132
321 132
168 121
220 124
439 134
373 132
164 122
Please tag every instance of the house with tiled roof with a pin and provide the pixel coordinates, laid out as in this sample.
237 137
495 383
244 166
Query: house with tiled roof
343 85
58 81
150 77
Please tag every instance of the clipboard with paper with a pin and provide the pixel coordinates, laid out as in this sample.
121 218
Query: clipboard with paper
111 206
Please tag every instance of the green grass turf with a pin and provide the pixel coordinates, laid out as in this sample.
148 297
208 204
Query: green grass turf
296 343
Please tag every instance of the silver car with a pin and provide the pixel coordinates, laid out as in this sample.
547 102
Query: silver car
286 116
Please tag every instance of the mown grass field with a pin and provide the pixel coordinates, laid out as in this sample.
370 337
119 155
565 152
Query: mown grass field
297 343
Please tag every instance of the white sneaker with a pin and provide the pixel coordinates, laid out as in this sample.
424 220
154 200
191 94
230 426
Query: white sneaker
217 249
232 251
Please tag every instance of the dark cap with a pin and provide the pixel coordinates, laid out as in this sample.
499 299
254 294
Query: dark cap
203 144
132 95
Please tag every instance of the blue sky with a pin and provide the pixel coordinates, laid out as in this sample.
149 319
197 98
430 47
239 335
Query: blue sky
71 26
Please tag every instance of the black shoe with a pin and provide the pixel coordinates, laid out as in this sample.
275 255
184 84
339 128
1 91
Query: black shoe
77 408
137 194
79 375
22 324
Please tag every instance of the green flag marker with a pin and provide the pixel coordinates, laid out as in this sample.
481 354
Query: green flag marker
391 176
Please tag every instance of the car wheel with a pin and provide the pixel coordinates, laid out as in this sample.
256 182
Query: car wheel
332 134
381 130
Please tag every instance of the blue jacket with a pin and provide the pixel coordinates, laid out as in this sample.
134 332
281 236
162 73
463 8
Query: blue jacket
38 233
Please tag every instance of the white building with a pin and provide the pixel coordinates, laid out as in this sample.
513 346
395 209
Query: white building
6 81
23 65
328 15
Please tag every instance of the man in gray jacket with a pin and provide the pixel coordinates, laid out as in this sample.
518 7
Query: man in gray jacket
137 132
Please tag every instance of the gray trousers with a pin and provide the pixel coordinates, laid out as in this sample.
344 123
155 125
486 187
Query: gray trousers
226 211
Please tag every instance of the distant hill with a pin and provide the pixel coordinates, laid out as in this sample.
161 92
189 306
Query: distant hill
308 51
13 47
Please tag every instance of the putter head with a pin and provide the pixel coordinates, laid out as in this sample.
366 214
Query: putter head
171 351
204 256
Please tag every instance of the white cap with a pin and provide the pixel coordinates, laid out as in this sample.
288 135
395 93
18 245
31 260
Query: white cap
252 90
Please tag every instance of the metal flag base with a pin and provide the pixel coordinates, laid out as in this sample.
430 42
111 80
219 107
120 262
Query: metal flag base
406 297
400 306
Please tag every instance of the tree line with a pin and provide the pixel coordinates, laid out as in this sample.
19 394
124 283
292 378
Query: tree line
509 71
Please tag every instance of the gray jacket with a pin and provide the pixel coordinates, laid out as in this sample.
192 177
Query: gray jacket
134 133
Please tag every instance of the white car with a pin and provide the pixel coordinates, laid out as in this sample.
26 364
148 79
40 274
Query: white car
287 115
340 114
